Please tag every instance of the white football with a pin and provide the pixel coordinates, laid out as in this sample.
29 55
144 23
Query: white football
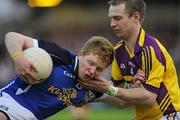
43 62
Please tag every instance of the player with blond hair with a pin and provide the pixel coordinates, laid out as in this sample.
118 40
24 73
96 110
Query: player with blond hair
22 101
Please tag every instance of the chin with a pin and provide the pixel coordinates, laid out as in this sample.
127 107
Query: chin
120 34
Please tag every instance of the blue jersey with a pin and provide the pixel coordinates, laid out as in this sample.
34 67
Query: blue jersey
60 90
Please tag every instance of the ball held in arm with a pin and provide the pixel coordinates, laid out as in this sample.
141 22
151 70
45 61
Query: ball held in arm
42 61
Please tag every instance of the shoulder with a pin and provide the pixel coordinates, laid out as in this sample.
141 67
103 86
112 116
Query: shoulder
155 50
58 54
154 43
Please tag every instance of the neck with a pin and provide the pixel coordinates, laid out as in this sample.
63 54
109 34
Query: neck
131 41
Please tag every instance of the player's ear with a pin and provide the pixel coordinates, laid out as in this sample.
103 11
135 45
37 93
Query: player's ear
136 17
80 53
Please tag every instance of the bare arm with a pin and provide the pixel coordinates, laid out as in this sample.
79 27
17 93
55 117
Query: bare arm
15 44
114 101
137 95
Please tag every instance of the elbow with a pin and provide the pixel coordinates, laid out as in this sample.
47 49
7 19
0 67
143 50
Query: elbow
151 102
9 35
151 99
13 36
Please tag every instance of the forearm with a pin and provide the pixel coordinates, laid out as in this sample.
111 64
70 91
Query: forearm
115 102
138 96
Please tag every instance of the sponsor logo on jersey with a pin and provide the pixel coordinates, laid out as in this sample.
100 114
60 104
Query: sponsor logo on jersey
122 66
64 94
88 98
66 73
78 86
20 90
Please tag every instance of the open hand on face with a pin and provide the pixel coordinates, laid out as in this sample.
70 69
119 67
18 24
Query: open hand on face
99 84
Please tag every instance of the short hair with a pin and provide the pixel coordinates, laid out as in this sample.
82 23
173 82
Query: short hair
132 6
100 46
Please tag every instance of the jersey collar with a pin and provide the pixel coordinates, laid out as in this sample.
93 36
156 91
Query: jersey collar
140 41
76 66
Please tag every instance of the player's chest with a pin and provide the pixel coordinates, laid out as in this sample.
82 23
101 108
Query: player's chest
128 63
129 66
61 77
66 89
75 95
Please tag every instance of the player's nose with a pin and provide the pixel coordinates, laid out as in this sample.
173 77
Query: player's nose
92 71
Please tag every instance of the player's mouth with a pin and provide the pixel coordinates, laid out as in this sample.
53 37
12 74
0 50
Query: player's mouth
117 30
88 77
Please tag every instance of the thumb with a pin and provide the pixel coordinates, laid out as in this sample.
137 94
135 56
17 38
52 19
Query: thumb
33 67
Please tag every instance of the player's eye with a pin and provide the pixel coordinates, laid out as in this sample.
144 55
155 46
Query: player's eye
117 18
91 63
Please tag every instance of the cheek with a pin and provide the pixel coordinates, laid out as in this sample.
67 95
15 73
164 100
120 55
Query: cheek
85 65
82 67
124 24
80 72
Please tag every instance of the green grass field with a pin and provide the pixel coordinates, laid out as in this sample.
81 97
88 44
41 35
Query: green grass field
98 114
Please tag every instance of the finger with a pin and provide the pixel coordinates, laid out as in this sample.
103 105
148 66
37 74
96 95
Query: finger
87 86
24 78
31 76
140 70
83 83
140 73
138 82
33 68
22 73
88 83
100 79
138 78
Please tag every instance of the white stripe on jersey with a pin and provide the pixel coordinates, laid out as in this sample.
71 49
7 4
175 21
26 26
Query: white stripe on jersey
76 62
172 116
13 109
35 43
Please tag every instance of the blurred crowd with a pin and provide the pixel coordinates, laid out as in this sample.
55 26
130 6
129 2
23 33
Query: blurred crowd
70 24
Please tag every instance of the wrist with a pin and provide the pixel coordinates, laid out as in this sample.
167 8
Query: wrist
112 91
16 54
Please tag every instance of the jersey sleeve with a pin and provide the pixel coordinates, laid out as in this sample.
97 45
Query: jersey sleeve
58 54
153 64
